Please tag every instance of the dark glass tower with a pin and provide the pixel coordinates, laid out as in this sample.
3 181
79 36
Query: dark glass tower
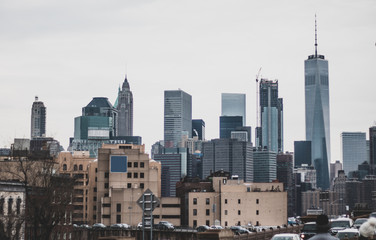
38 119
317 114
271 116
124 105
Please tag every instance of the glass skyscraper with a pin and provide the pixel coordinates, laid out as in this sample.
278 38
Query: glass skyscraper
233 104
177 116
354 150
317 114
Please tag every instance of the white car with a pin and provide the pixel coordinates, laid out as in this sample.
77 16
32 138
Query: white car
286 236
348 234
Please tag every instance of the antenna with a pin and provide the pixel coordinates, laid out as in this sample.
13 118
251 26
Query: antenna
315 36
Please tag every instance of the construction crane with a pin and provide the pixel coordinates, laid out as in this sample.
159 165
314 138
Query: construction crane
257 97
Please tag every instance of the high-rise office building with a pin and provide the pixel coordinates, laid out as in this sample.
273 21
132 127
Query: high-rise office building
234 104
227 124
302 153
38 119
265 166
177 116
317 114
229 155
271 113
198 128
124 106
372 148
353 149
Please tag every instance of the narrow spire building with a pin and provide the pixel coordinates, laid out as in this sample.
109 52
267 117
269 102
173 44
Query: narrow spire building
124 105
38 119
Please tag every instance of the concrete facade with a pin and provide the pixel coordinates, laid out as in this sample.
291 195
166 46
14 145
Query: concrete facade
118 192
235 202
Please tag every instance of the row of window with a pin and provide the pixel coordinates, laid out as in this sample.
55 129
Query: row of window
135 175
207 212
207 201
10 205
129 185
135 164
75 167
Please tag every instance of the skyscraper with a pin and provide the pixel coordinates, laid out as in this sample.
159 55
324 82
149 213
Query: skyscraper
271 116
317 113
198 128
227 124
354 151
124 105
302 153
234 104
177 116
38 119
372 148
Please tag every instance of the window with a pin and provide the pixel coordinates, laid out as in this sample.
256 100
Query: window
118 218
135 175
96 169
257 223
207 222
195 201
129 164
96 179
129 175
207 201
75 167
118 207
142 164
94 199
95 207
194 222
95 189
226 224
194 212
239 201
106 185
142 185
106 175
18 205
238 223
257 201
248 189
207 212
10 205
2 205
225 212
64 167
257 212
129 185
239 212
135 164
142 175
94 216
225 201
80 167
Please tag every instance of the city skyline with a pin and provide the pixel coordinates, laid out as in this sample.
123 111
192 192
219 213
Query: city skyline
67 57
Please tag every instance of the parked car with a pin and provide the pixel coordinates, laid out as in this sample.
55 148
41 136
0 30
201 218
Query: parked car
286 236
239 230
202 228
350 233
99 226
216 227
359 221
139 225
373 215
340 224
308 230
164 225
120 226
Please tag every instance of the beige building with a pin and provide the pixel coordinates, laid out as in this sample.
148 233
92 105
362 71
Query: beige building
235 202
76 165
327 202
123 173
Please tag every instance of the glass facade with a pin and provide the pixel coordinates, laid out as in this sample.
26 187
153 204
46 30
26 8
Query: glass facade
354 151
177 116
234 104
317 115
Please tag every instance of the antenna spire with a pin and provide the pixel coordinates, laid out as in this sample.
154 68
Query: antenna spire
315 36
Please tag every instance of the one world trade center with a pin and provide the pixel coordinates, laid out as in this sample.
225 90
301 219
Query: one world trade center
317 114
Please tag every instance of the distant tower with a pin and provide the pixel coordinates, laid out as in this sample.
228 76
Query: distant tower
234 104
354 150
271 116
317 113
372 149
38 119
125 110
177 116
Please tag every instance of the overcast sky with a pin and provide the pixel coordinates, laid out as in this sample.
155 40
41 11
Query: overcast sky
67 52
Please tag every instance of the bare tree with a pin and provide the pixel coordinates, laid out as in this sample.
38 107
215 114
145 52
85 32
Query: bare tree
48 196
